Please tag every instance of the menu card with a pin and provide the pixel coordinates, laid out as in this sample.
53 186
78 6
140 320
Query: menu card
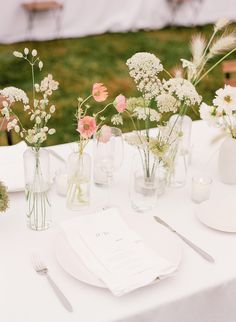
114 252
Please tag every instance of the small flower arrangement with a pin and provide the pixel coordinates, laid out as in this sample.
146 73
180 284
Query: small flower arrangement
36 160
4 200
39 110
164 94
222 113
88 125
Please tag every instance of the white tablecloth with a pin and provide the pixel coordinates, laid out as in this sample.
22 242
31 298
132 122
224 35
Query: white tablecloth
200 291
80 18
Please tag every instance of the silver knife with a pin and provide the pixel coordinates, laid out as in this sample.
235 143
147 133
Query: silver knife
187 241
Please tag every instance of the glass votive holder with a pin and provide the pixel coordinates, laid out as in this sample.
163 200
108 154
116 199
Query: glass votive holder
61 181
201 188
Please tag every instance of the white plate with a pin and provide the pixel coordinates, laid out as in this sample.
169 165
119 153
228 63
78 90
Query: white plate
219 215
157 237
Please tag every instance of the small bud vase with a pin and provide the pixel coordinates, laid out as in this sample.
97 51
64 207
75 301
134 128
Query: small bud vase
79 174
37 187
227 161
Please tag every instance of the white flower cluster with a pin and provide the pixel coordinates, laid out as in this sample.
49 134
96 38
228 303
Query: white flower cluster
167 103
133 102
146 113
39 111
14 94
37 136
144 69
47 86
183 90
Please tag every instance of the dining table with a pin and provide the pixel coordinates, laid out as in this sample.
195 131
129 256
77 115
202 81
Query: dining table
199 291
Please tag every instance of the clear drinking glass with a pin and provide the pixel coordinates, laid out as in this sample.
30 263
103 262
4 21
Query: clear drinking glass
108 159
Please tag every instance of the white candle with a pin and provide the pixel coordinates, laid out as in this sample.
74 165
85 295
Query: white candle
61 183
201 188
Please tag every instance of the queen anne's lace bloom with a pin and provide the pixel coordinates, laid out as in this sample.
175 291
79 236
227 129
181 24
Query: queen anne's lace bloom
133 102
144 113
14 94
144 69
183 90
167 103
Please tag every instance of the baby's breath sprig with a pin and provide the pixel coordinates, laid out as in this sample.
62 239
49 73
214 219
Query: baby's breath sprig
39 110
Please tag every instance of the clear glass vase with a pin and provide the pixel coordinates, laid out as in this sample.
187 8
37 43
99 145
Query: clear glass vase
79 174
147 183
179 153
177 167
37 188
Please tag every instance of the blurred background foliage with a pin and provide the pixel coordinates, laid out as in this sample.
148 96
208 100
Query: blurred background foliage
78 63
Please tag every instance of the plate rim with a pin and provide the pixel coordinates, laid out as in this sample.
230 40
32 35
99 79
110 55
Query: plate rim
59 234
214 227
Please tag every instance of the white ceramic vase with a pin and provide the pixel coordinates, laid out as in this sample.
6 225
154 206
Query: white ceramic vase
227 161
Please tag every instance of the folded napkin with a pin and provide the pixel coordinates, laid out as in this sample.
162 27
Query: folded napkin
113 252
11 166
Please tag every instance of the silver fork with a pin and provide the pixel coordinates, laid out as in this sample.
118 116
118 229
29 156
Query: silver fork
42 269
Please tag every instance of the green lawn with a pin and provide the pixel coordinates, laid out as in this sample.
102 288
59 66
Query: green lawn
78 63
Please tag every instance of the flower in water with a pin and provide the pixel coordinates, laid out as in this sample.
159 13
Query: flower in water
104 134
87 126
99 92
120 103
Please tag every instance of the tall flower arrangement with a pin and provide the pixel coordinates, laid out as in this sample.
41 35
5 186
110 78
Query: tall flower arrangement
164 94
34 133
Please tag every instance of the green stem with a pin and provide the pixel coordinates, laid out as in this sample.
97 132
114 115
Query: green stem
210 69
168 73
103 109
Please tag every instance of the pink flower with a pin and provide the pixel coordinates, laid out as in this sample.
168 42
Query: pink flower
99 92
87 126
120 103
105 134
